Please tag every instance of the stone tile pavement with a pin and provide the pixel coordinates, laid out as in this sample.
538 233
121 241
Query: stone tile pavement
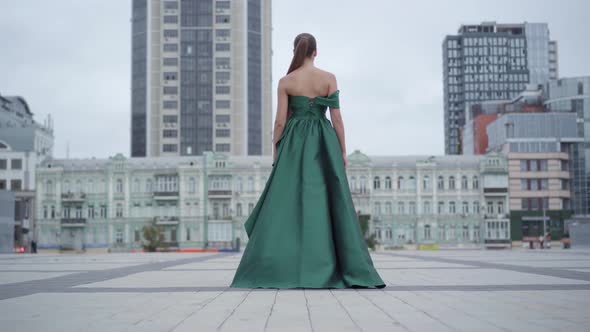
462 290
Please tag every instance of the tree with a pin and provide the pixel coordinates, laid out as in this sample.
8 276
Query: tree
369 239
151 235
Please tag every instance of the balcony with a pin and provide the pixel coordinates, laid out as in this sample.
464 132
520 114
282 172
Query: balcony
70 197
73 222
166 195
166 220
219 193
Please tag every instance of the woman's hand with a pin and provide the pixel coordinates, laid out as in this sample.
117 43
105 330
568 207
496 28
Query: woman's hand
344 158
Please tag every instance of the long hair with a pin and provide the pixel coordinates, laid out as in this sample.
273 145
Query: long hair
304 47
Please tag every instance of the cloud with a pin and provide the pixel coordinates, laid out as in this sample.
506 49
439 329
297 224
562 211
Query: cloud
72 59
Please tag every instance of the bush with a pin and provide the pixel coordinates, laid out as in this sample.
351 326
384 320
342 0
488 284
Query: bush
369 239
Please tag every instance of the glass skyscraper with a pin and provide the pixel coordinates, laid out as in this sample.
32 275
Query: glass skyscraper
491 61
201 77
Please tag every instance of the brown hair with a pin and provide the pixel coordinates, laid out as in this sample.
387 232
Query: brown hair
304 46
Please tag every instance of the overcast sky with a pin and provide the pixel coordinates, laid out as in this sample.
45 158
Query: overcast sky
71 59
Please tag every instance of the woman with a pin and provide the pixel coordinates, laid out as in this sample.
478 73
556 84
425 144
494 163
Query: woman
303 231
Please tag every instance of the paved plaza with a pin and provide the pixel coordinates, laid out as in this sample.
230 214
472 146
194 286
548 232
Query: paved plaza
451 290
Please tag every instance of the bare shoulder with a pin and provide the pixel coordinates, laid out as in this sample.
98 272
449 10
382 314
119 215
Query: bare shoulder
327 74
285 82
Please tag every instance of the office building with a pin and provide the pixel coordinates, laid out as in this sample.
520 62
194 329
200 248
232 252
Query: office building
491 61
201 77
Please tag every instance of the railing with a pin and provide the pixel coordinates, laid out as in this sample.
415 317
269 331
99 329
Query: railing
73 222
165 194
73 197
166 220
220 192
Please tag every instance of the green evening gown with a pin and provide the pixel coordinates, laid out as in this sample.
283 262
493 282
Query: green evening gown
304 232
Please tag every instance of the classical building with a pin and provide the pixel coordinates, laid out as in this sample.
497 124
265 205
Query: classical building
24 144
491 61
205 200
447 200
201 77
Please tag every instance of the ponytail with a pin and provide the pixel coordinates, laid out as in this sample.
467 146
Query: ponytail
305 45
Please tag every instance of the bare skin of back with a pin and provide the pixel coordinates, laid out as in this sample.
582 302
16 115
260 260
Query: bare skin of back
311 82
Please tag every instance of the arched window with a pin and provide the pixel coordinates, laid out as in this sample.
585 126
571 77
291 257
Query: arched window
250 183
464 183
400 182
440 183
451 182
78 186
388 208
387 182
192 187
363 184
580 88
136 186
353 184
239 184
411 183
66 186
49 187
119 186
91 188
476 207
401 209
376 183
452 209
377 208
465 208
426 182
426 209
148 186
239 209
427 234
475 182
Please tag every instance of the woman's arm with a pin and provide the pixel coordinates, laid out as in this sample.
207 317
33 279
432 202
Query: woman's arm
281 116
337 121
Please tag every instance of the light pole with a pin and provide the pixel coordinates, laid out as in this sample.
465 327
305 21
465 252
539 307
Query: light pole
205 201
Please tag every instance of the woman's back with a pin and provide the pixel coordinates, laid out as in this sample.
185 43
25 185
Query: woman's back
309 81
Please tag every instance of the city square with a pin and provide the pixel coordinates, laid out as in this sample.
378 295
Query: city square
450 290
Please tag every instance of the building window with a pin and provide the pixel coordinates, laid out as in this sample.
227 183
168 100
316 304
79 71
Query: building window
388 209
170 118
222 5
388 182
426 182
377 208
412 208
452 209
136 186
426 208
376 183
170 148
400 182
465 208
170 76
119 186
45 212
222 118
490 209
401 208
170 33
222 33
580 88
170 47
451 182
103 211
239 209
170 19
219 19
16 185
119 210
500 207
170 90
170 62
427 234
476 207
222 132
52 212
222 147
137 236
441 207
91 212
222 104
148 186
119 236
170 5
16 164
170 133
440 184
464 184
2 163
222 90
222 63
250 207
170 104
222 47
475 182
192 185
